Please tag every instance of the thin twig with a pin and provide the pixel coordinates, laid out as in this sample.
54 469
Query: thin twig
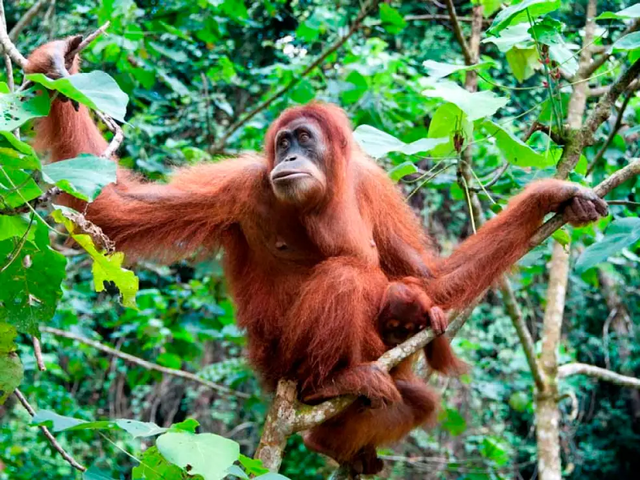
144 363
37 351
52 440
26 19
602 59
6 43
118 135
541 127
355 26
87 40
571 369
457 30
612 133
498 175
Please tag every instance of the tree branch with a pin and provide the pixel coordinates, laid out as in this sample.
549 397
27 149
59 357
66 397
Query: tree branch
571 369
355 26
52 440
144 363
602 189
7 45
590 69
578 139
457 30
612 133
26 19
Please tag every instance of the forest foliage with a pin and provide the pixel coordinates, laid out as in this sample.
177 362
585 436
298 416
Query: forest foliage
192 81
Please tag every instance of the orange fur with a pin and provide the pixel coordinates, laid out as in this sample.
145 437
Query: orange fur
311 308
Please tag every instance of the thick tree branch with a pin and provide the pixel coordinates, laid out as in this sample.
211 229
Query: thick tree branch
355 26
578 139
571 369
8 48
602 189
144 363
52 440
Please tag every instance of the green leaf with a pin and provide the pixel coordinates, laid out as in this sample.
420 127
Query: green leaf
94 473
562 237
440 70
392 21
252 466
496 450
11 372
17 108
521 12
377 143
490 7
106 268
236 471
510 37
303 92
188 425
203 454
83 177
402 170
452 421
139 429
96 90
523 62
17 154
17 187
519 401
153 466
628 42
475 105
447 121
515 150
30 282
621 233
14 226
630 12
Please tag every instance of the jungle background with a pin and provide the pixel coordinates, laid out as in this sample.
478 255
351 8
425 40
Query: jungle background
191 69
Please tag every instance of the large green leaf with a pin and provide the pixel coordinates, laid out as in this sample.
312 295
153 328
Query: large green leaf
402 170
203 454
96 90
30 282
377 143
511 36
153 466
17 154
523 62
452 421
106 268
621 233
521 12
14 226
515 150
446 122
392 21
441 70
61 423
83 177
630 12
490 6
17 187
628 42
11 371
475 105
17 108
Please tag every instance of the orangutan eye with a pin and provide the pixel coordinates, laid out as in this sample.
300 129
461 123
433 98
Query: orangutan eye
304 137
284 144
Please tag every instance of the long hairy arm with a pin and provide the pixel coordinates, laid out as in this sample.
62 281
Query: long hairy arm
165 222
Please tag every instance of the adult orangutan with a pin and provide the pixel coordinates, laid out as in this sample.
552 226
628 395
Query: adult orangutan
326 263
